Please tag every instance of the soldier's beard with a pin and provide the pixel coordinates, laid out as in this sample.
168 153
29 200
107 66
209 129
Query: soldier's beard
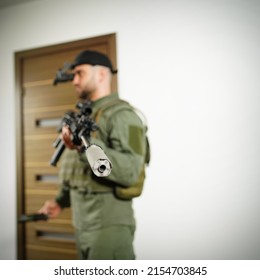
84 95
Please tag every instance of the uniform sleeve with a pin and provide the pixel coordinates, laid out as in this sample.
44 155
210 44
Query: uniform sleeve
124 143
63 197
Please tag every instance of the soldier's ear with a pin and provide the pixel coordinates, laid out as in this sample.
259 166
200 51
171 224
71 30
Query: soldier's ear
103 73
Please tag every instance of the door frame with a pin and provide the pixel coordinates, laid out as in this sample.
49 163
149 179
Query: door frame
110 41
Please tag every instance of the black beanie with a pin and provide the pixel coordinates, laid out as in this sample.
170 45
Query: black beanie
93 58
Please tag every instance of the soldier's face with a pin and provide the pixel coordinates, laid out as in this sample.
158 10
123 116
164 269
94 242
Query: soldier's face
85 81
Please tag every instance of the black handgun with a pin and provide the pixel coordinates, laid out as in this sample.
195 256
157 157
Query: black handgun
33 218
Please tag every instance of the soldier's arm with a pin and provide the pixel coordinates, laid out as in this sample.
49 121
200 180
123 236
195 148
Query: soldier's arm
124 146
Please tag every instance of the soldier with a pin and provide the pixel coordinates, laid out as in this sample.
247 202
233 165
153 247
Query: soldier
104 223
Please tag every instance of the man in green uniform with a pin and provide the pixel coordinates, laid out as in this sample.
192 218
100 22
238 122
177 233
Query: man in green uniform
104 224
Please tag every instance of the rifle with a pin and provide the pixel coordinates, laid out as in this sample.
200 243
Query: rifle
81 126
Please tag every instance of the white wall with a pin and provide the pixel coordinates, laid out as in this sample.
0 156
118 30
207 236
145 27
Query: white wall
192 66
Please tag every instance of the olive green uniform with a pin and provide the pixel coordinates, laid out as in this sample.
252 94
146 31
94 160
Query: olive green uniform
104 224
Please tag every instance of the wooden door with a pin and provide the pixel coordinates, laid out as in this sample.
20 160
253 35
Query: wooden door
40 106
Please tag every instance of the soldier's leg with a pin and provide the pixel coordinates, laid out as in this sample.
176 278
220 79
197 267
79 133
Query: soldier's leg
110 243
